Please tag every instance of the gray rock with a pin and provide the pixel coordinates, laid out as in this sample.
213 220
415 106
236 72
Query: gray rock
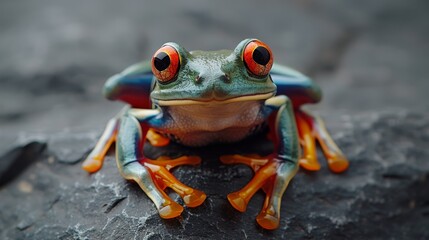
383 194
17 160
71 147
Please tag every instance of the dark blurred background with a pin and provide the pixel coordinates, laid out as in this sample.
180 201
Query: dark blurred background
55 55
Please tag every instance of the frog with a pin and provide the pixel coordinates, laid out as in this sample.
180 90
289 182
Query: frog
198 98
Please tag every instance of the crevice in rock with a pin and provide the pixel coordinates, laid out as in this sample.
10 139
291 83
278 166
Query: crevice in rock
22 226
113 204
395 176
53 202
14 162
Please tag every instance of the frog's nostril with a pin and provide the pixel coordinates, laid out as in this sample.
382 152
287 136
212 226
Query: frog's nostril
225 78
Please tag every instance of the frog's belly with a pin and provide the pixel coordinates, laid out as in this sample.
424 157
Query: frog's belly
198 125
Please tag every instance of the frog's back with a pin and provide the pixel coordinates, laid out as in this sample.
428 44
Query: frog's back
298 87
133 86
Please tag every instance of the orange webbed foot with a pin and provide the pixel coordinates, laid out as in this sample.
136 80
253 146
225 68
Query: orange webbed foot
170 210
160 170
156 139
272 176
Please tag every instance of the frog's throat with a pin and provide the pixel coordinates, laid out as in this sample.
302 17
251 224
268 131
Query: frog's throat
179 102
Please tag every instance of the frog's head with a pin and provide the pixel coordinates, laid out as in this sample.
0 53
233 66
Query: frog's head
198 77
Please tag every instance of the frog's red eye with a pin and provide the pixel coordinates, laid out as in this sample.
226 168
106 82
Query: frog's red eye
165 63
258 58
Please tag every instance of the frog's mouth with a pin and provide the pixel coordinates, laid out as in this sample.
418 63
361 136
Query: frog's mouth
179 102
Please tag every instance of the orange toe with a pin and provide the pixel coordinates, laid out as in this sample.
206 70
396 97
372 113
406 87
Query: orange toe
309 165
338 164
267 221
237 201
92 165
195 199
170 210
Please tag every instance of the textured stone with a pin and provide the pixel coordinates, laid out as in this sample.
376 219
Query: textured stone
383 194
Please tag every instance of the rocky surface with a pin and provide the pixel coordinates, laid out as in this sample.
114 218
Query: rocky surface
370 57
384 194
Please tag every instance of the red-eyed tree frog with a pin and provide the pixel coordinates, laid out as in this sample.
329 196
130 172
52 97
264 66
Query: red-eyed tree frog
199 98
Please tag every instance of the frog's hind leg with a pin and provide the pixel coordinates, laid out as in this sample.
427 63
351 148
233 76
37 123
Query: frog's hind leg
312 129
94 161
304 124
152 175
337 162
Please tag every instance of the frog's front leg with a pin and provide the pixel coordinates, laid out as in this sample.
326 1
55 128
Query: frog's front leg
94 160
152 176
274 173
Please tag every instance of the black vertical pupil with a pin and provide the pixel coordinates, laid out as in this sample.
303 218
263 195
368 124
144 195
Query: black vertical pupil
161 61
261 55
